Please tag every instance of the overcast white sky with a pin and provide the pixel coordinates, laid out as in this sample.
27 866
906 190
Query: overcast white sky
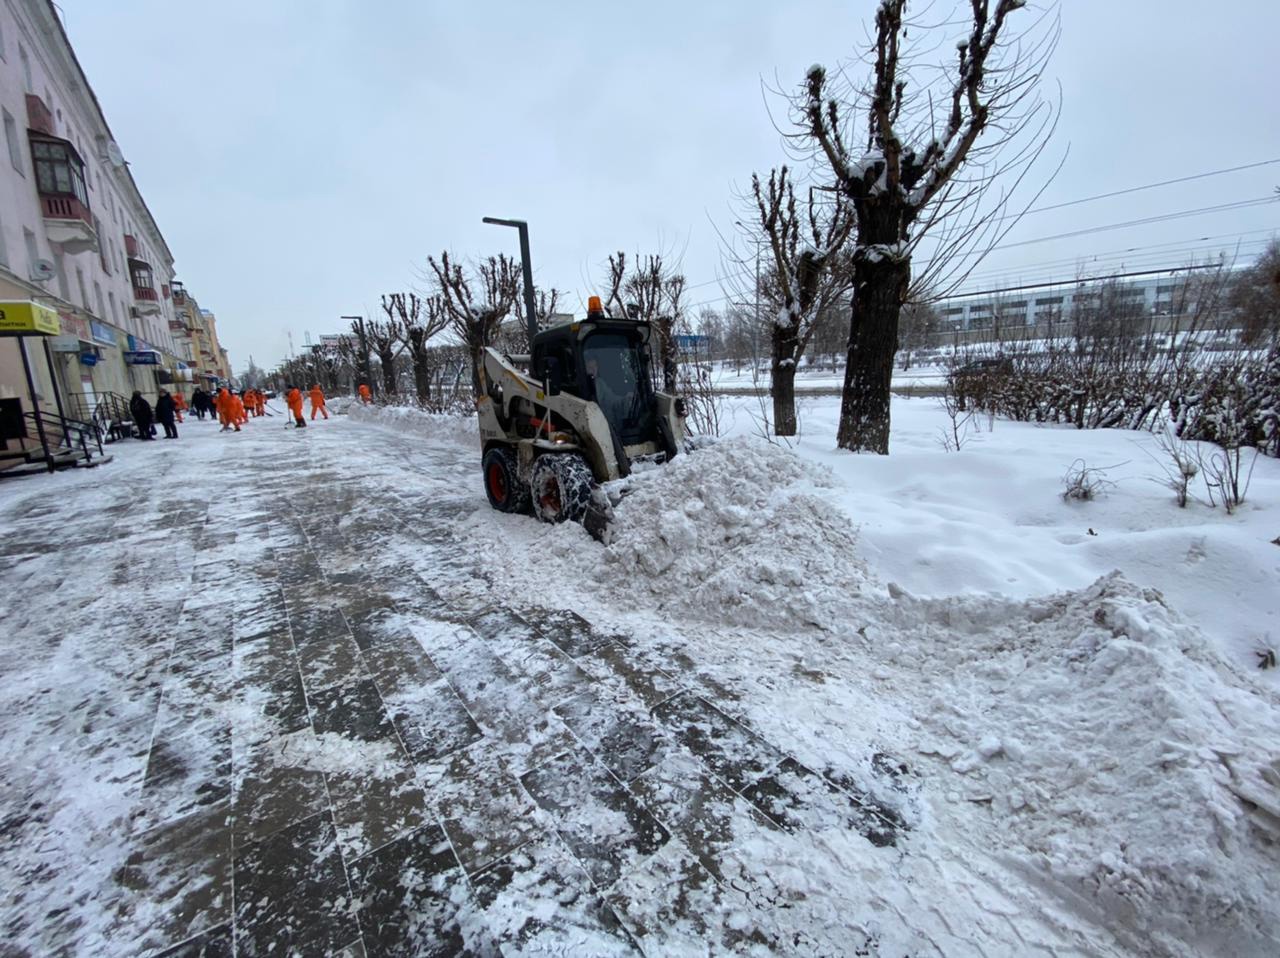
304 157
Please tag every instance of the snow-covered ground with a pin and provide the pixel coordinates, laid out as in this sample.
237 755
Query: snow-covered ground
1073 686
819 377
883 705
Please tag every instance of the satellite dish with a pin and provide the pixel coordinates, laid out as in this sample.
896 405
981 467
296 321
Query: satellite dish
114 156
42 270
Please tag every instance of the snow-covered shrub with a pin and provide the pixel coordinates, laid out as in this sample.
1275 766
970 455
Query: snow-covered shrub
1233 404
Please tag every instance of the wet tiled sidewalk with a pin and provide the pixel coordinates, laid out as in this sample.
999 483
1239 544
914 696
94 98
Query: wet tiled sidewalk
319 729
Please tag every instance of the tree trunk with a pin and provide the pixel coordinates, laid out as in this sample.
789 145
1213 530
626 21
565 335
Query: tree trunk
388 360
784 340
667 350
879 287
422 377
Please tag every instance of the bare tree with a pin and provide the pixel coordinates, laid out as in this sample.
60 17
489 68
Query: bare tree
476 303
385 337
806 277
920 166
420 321
651 291
354 350
1255 298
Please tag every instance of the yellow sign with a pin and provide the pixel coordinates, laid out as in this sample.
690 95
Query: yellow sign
28 317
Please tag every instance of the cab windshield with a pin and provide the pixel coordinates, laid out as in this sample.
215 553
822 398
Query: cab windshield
618 382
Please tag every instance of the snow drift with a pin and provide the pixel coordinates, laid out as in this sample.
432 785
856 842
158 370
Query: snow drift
418 422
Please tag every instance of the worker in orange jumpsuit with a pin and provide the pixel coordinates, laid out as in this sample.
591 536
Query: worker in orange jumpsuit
179 405
242 411
223 405
366 396
260 402
317 402
293 398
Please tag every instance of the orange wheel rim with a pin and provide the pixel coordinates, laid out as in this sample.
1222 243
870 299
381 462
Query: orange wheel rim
497 483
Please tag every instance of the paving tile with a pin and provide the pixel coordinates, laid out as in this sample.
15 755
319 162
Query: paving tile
672 905
185 774
735 754
375 626
216 943
400 666
354 710
275 785
271 707
619 666
707 815
539 900
431 720
601 822
485 811
292 895
570 632
315 622
266 615
372 809
796 797
410 893
261 658
178 880
328 662
626 742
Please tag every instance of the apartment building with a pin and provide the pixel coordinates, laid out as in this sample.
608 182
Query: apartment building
76 236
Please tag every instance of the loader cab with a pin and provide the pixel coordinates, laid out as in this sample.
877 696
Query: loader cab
605 361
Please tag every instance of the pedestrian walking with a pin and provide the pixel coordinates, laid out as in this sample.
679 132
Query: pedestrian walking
317 402
166 410
366 396
179 405
293 398
140 409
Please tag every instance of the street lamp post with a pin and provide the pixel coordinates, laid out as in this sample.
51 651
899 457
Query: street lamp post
526 270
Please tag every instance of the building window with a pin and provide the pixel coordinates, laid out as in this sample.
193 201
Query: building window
97 298
111 301
33 252
59 168
104 253
11 137
26 69
141 276
84 293
2 53
4 253
61 262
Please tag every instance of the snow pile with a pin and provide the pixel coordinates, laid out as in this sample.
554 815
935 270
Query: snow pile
742 531
418 422
1111 747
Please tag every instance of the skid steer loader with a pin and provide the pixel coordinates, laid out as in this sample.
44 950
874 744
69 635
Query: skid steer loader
582 410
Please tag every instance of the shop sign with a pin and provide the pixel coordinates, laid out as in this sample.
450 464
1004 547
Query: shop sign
73 325
142 357
88 359
28 317
64 344
102 333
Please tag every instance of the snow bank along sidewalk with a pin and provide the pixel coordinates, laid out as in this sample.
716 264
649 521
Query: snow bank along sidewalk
1092 742
419 423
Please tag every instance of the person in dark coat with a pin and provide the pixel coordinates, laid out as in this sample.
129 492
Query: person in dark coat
141 412
166 410
198 399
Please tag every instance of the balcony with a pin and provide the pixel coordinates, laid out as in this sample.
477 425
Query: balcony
147 299
68 223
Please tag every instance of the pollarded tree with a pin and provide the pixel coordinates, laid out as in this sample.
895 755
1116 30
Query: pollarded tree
930 142
654 293
1255 298
806 279
420 320
385 338
477 303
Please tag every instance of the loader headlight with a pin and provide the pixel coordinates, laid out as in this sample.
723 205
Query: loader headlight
682 409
